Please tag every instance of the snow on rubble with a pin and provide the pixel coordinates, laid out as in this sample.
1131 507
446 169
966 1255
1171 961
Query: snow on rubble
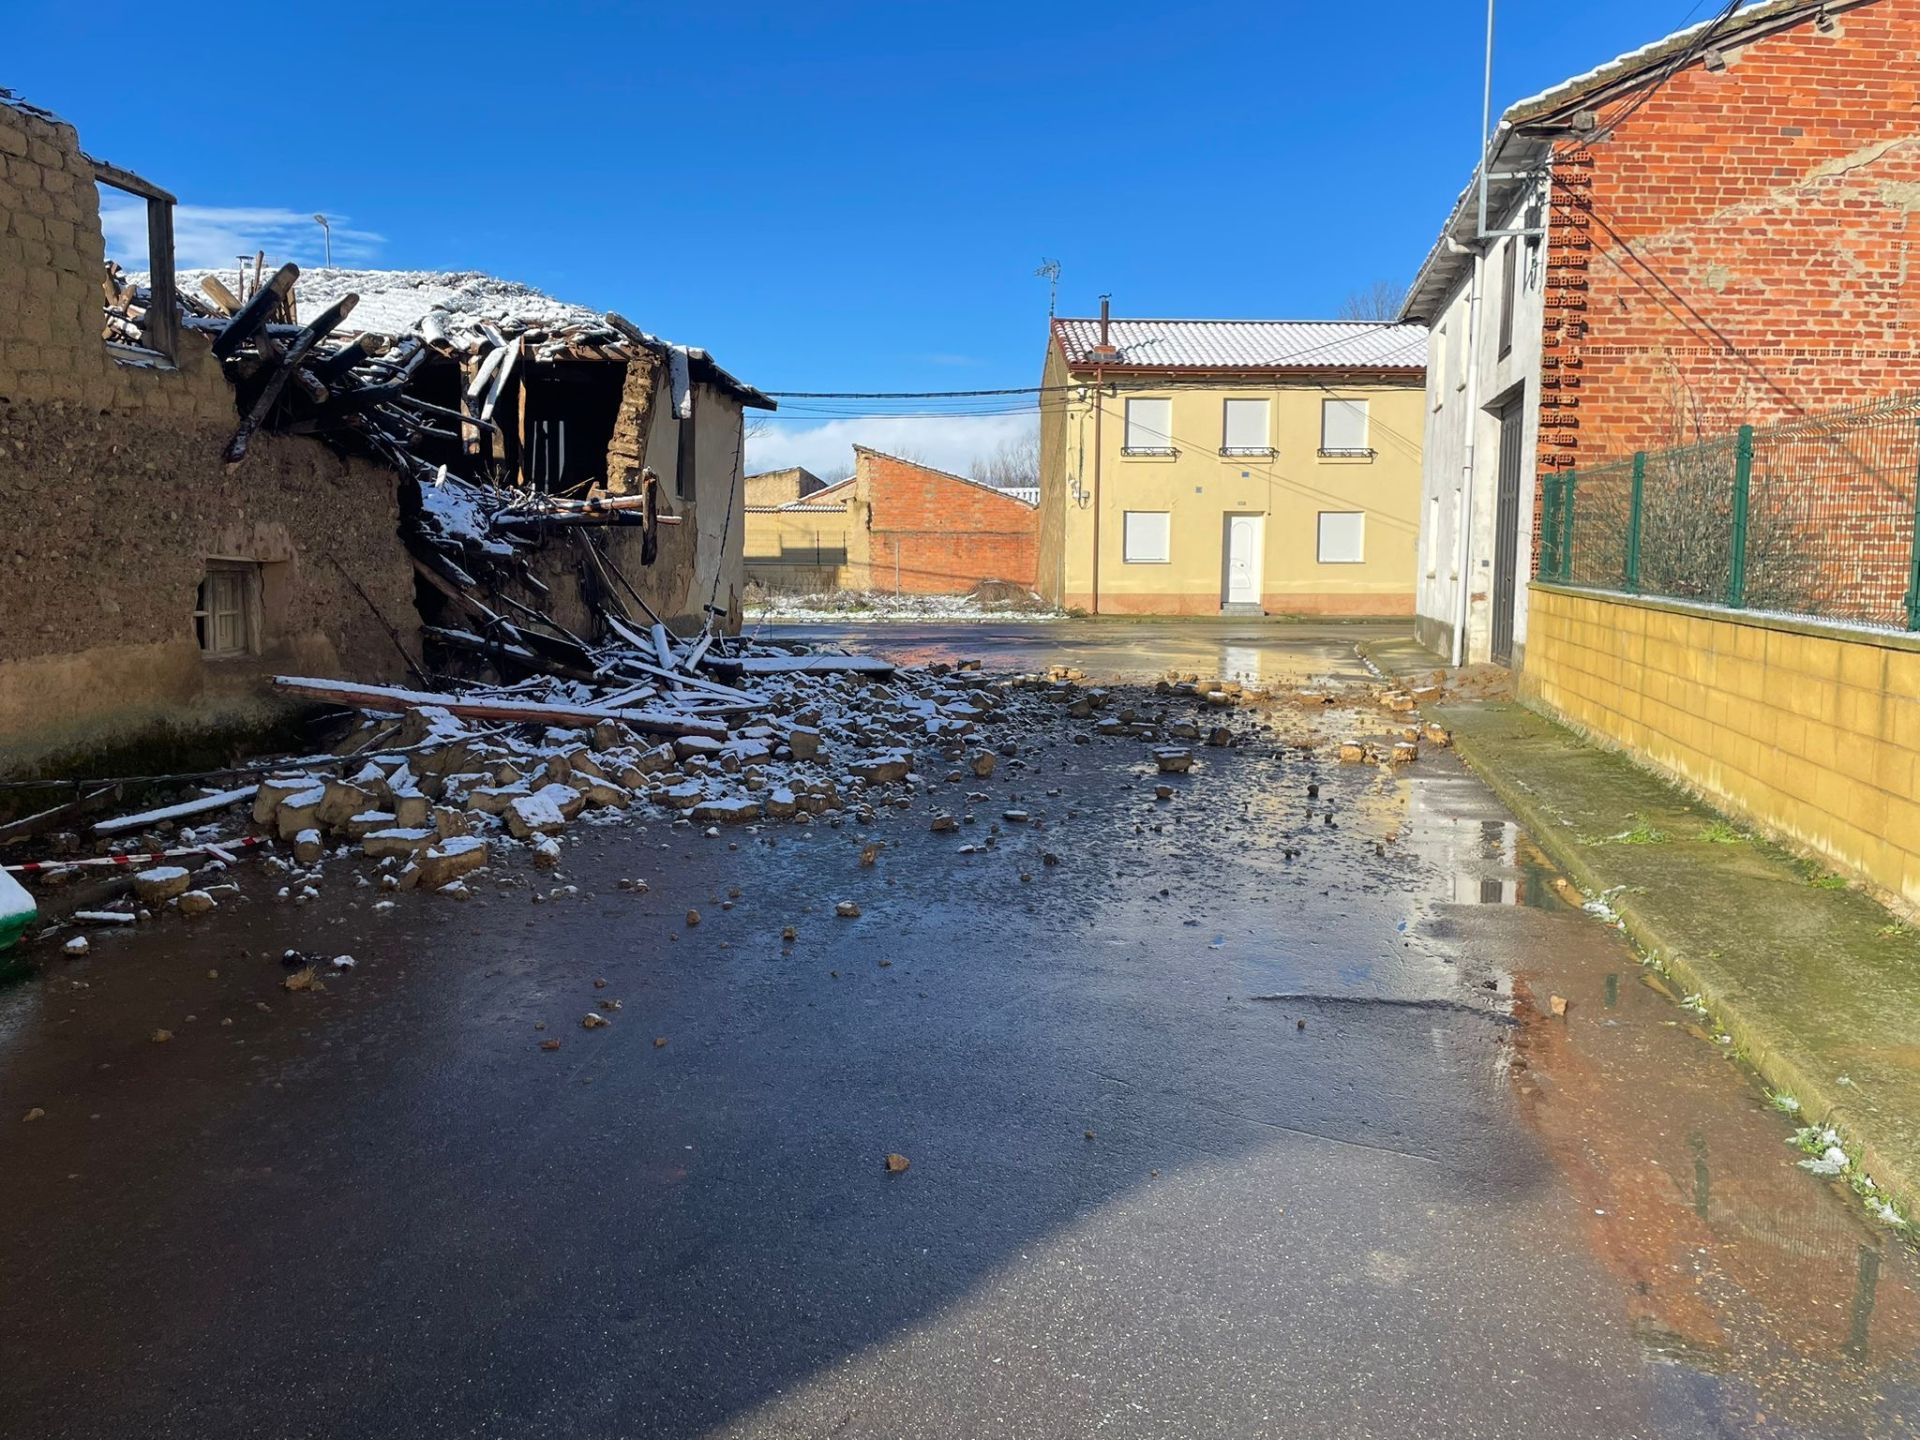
418 798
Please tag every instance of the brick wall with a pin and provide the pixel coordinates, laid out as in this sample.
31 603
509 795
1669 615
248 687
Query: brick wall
115 498
1741 249
931 533
1810 732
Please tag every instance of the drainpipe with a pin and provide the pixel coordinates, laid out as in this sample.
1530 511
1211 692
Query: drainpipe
1463 548
1101 352
1099 409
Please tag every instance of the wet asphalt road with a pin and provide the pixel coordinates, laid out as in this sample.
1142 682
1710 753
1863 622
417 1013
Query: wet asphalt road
1205 1141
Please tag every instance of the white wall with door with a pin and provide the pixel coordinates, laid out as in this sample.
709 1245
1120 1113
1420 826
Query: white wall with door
1467 394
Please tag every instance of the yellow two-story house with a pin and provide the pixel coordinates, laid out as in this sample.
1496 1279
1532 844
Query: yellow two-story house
1240 467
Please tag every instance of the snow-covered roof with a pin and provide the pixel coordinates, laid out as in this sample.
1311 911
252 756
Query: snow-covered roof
1262 345
394 302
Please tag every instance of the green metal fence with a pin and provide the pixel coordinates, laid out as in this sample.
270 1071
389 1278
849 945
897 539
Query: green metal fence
1817 517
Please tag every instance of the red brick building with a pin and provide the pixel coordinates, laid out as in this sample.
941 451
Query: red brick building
895 526
932 533
1731 241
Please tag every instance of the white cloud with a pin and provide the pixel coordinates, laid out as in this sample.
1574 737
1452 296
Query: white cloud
947 442
210 236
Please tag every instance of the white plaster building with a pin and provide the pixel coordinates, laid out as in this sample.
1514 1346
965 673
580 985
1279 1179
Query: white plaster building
1483 305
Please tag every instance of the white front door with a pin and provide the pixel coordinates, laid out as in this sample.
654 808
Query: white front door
1246 535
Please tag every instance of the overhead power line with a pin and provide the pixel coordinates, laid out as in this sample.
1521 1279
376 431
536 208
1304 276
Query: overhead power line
911 394
1688 54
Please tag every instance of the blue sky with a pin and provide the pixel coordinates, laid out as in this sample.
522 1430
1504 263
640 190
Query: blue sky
827 196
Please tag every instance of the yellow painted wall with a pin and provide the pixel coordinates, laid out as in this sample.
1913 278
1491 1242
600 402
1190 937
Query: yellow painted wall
1810 731
809 551
1059 465
1199 487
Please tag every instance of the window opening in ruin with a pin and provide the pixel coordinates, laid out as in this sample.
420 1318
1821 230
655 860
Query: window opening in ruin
226 616
571 409
141 322
685 461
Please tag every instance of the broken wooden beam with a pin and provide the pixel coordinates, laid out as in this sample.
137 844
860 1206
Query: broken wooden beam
392 700
220 295
256 312
297 352
181 811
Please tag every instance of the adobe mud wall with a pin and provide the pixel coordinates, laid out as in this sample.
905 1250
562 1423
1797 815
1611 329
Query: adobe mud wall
115 498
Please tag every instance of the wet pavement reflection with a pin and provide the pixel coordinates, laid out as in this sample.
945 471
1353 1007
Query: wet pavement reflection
1252 1116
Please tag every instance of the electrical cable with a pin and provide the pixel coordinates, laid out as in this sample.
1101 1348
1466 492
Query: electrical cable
1686 57
1271 475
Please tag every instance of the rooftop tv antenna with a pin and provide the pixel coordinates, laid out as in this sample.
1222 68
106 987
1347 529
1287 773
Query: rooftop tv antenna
1049 271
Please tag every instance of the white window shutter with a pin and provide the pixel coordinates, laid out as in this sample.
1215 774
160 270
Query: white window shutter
1149 424
1247 426
1147 537
1343 537
1343 425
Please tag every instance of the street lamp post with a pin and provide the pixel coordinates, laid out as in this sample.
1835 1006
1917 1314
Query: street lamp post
326 227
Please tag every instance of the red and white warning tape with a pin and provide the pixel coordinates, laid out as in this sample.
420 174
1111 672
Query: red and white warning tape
222 851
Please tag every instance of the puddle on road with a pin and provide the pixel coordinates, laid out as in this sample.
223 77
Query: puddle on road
1116 651
1728 1258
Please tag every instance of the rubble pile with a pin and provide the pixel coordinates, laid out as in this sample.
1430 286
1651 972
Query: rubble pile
418 797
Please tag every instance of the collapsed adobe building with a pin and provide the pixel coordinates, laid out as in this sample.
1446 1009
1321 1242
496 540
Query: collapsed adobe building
331 487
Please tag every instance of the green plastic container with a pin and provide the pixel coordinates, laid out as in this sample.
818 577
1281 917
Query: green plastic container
16 910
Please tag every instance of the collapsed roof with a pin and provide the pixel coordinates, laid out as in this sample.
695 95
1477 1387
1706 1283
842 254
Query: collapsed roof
460 306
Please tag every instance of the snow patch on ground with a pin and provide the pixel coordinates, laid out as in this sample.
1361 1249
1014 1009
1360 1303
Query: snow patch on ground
862 605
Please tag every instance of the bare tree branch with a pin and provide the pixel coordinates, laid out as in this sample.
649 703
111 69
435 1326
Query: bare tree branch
1012 464
1380 302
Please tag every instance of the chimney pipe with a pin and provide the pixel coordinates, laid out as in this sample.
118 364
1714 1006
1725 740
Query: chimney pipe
1105 305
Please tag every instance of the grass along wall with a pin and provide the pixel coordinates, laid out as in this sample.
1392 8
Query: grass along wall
1809 730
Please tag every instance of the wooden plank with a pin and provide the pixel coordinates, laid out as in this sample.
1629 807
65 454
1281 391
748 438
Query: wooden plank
175 812
335 366
303 343
131 183
391 700
46 819
663 647
256 312
536 520
220 294
163 311
503 628
695 683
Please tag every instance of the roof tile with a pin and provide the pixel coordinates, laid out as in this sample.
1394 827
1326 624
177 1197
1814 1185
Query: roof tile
1248 344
